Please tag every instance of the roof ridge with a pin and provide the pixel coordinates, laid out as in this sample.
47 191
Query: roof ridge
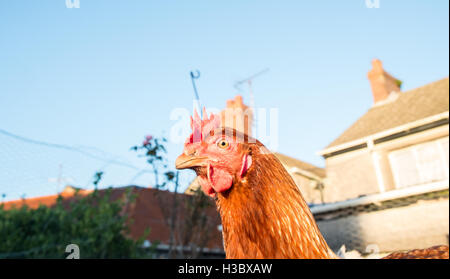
412 105
293 158
67 195
405 93
426 85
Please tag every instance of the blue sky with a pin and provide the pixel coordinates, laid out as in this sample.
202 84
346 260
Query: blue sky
106 74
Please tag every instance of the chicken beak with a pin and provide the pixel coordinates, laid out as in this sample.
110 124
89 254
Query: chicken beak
188 161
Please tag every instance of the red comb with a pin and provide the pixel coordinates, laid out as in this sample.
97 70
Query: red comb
202 127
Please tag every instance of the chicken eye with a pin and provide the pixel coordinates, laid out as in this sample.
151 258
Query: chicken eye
222 143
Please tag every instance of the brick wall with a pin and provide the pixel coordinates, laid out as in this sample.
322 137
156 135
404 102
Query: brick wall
420 225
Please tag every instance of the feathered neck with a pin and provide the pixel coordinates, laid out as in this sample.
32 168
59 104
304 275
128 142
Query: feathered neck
264 215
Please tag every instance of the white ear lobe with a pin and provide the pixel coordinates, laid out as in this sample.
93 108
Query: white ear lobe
246 163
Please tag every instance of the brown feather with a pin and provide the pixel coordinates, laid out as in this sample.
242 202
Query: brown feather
435 252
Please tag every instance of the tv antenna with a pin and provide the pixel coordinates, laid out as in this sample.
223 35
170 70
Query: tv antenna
249 80
60 179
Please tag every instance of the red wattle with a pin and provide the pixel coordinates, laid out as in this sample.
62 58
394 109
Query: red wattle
206 186
221 180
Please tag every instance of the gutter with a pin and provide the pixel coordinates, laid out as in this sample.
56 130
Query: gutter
376 198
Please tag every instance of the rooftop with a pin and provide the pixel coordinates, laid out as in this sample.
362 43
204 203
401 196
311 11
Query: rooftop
399 109
290 162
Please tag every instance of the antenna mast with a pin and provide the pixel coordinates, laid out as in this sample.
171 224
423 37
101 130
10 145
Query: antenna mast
249 81
195 76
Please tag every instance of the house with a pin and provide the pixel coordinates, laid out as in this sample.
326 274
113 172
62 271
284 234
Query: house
401 141
388 173
309 178
152 209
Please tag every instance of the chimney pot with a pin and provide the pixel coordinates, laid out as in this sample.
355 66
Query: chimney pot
381 82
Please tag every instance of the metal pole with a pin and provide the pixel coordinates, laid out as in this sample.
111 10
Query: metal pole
193 78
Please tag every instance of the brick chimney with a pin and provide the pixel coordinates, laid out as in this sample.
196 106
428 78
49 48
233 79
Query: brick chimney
237 115
382 83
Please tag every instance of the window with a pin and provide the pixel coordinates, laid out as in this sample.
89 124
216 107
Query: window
422 163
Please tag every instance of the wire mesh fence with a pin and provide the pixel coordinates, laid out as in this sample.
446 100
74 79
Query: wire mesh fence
30 167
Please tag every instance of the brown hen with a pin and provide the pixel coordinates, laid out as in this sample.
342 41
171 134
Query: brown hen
263 213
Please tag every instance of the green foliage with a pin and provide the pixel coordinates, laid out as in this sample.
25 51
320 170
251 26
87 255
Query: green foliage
155 154
94 222
97 177
188 222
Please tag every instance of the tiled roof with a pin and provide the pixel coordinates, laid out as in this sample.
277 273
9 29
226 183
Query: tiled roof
146 212
48 201
409 106
292 162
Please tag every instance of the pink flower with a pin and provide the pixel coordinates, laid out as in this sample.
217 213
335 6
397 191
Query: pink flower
149 137
145 142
